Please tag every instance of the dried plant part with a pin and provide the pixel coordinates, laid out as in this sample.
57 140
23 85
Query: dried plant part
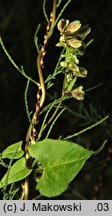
73 27
62 24
75 43
78 93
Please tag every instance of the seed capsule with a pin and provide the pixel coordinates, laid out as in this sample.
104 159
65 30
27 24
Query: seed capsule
83 32
74 43
62 24
73 27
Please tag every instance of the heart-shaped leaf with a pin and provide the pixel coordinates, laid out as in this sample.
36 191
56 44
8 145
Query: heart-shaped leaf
61 161
17 172
13 151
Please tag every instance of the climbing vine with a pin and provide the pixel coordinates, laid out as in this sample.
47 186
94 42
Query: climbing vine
51 163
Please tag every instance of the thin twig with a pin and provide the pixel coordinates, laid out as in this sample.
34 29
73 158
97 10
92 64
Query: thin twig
86 129
44 11
26 101
52 125
15 65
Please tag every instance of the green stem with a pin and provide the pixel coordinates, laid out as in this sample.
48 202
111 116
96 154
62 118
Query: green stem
86 129
60 14
53 123
26 101
44 11
15 65
44 121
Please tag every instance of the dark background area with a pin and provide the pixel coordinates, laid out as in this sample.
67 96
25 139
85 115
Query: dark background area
18 23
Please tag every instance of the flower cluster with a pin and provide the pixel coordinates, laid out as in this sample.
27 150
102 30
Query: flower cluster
72 37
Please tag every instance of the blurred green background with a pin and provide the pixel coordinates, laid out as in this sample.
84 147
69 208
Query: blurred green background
18 23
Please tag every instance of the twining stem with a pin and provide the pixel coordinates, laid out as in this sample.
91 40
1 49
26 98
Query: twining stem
42 83
54 11
41 79
42 99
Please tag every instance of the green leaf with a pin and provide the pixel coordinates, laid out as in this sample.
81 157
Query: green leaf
61 161
71 84
17 172
13 151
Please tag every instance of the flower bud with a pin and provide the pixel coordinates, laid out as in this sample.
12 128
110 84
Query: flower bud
62 42
69 77
75 59
63 64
